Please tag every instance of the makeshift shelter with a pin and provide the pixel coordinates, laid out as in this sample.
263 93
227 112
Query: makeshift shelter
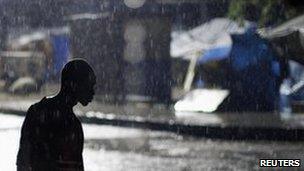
52 42
239 61
206 36
210 38
253 75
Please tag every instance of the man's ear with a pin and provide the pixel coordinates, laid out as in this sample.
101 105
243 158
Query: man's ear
73 86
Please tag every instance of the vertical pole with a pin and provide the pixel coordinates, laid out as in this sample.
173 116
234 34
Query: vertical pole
191 72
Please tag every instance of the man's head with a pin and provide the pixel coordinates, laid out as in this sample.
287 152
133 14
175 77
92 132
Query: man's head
78 79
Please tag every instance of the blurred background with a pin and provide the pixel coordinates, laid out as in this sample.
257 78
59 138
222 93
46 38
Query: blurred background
167 71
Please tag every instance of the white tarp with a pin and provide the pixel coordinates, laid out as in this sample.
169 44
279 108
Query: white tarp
213 33
21 37
201 100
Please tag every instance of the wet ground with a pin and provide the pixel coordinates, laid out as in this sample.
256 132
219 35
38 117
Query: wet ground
116 148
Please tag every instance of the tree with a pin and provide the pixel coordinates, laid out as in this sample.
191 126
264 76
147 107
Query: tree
264 12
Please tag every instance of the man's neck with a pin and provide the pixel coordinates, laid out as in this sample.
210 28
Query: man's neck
65 99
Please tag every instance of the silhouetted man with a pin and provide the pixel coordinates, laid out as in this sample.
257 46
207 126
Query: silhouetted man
51 135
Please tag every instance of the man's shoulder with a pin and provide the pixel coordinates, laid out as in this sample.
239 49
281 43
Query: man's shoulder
42 104
45 105
42 110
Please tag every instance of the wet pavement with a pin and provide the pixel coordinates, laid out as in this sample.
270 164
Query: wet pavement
231 126
117 148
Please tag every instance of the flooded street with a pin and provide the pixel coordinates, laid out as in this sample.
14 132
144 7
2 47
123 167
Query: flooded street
158 85
116 148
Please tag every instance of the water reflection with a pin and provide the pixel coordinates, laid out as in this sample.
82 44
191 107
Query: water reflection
116 148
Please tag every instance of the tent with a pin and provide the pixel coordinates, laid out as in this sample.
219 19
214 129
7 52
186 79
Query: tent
247 67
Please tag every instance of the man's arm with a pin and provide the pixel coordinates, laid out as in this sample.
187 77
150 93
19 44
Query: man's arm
24 157
34 145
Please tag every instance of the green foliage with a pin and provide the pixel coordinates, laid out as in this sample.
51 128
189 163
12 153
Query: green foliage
264 12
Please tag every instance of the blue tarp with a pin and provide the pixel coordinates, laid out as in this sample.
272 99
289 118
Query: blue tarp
255 71
252 73
217 53
61 52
